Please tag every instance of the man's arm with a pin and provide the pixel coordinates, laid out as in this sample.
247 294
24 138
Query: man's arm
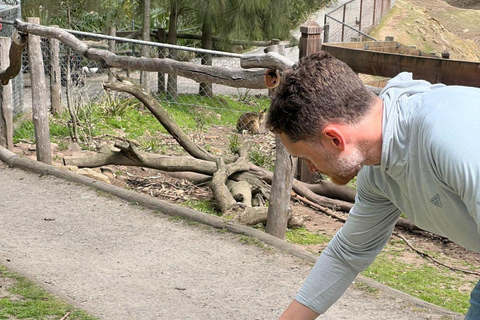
297 311
354 247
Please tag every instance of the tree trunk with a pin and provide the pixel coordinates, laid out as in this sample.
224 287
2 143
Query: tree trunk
111 47
206 89
280 195
39 99
55 77
6 99
172 89
161 54
144 76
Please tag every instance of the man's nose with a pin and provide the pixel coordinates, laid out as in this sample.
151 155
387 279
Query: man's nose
311 167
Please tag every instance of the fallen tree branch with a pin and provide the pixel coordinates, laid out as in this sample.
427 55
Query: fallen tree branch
401 222
241 192
201 73
329 189
321 208
156 109
427 256
65 317
19 42
299 187
271 60
153 161
222 195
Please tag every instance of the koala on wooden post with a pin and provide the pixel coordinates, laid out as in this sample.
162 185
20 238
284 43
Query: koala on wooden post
251 122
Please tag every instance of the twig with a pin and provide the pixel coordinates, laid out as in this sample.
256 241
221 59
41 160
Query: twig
421 253
325 210
66 315
426 255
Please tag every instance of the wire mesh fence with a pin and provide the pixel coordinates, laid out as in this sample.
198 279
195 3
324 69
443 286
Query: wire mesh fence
84 78
355 18
10 10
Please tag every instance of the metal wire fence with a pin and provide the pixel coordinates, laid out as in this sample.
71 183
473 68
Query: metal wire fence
355 19
86 76
10 10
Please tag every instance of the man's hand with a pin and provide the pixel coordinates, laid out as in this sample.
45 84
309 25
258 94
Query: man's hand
297 311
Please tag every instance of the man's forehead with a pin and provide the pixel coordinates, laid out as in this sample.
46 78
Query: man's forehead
295 149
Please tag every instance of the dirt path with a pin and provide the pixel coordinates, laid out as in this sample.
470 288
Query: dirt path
121 261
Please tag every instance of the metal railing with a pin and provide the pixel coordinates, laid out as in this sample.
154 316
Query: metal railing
354 19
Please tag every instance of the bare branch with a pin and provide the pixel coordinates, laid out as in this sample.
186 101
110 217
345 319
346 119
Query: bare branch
19 42
162 116
252 79
426 255
271 60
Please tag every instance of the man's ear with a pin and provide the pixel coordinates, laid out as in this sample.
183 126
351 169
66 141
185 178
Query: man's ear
334 138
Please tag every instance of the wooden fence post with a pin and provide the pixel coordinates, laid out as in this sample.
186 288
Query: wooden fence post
111 47
144 75
6 99
343 21
39 99
310 42
278 215
55 76
161 38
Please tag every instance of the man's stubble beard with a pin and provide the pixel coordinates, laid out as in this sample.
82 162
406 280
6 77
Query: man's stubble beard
347 167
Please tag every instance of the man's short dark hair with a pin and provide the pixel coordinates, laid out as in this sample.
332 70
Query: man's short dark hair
319 89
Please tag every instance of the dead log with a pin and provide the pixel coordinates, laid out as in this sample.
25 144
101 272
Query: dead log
130 156
222 195
231 77
331 190
241 192
271 60
258 185
193 177
252 216
19 42
255 215
300 188
259 180
173 129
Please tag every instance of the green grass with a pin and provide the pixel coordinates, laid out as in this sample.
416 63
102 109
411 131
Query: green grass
125 118
427 282
303 237
28 301
207 206
250 241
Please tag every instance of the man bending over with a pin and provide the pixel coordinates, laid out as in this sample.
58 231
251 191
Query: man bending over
415 149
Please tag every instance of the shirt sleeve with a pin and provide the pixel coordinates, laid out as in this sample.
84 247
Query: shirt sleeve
353 248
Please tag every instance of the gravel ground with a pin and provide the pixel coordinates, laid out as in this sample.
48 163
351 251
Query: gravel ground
120 261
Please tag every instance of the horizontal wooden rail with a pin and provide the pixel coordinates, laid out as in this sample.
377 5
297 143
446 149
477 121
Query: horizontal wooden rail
434 70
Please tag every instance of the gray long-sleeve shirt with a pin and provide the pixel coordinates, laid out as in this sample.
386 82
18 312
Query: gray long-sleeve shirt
430 171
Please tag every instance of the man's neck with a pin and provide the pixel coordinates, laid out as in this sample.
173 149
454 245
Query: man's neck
368 133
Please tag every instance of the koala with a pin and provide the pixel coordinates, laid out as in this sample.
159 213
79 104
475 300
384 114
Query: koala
251 122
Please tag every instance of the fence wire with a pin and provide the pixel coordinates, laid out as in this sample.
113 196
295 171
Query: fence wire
350 20
10 10
87 76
